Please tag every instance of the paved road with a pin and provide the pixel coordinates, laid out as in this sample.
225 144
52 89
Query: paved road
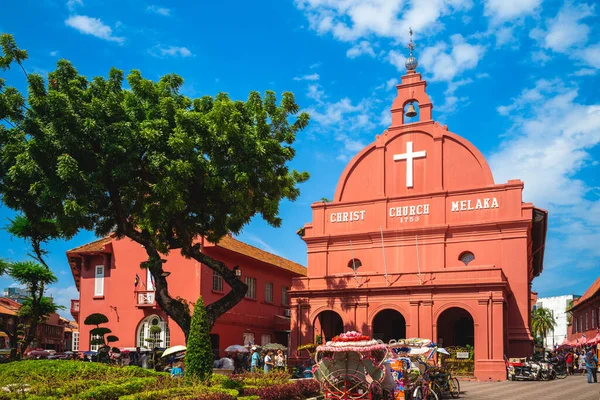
571 388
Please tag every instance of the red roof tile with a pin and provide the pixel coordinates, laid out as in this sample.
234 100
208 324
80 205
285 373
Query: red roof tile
232 244
97 245
591 292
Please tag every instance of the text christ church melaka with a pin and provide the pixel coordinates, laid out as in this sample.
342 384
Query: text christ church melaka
420 242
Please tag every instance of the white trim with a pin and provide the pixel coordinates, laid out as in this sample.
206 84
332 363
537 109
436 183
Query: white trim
99 280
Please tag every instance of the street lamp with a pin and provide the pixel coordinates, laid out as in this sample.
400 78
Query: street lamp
237 271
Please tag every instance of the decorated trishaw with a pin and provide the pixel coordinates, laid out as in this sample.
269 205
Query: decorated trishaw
350 366
353 366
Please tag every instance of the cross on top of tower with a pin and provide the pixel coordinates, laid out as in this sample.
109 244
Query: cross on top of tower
411 62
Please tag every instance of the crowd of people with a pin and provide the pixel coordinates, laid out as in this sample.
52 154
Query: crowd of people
579 361
254 361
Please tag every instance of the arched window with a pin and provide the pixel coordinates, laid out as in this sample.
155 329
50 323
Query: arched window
149 336
466 257
354 264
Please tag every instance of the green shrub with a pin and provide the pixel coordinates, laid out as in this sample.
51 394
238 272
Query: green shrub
199 356
112 391
225 382
60 372
248 398
160 394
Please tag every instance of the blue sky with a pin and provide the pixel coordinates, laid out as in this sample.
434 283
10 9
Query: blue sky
518 78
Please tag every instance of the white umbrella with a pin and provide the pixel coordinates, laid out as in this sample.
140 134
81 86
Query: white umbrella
173 350
236 347
443 351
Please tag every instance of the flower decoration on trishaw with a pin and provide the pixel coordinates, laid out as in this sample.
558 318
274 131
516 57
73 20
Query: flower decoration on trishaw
355 366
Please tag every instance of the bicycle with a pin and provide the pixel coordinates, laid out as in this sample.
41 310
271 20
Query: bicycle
424 391
442 381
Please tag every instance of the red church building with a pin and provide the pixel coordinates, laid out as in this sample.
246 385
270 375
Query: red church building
105 274
420 241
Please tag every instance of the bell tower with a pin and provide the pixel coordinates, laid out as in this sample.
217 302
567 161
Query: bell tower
410 91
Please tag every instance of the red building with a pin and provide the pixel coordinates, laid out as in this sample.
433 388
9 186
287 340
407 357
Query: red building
50 334
105 272
585 314
420 241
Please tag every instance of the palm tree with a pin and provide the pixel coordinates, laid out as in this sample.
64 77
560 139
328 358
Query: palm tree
542 321
569 313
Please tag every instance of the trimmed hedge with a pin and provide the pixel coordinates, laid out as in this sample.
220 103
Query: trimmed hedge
199 355
297 390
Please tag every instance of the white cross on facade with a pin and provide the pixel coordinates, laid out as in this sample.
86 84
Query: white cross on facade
409 156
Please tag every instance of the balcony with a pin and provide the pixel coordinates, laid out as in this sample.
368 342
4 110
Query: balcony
75 309
145 298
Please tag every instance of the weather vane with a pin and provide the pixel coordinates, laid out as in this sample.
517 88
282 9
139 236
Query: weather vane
411 62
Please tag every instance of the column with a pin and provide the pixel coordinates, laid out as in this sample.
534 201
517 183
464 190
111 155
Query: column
426 319
497 340
414 329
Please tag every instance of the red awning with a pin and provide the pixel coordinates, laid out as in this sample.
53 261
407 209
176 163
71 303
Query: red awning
593 340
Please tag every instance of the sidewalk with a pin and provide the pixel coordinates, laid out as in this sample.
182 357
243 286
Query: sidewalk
570 388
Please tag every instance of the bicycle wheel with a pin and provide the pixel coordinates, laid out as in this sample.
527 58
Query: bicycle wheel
432 395
436 388
454 388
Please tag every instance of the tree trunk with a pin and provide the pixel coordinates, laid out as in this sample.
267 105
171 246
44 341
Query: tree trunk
177 309
235 295
174 308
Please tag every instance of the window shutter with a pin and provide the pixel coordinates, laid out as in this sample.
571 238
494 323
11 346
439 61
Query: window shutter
99 283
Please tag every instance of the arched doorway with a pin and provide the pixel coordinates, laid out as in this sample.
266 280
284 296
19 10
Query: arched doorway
328 324
389 324
455 327
153 331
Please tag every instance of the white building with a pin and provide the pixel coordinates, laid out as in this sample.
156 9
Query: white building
557 305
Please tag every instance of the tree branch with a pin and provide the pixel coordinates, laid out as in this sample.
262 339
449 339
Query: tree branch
235 295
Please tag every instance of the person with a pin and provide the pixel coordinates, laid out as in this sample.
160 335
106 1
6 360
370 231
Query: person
177 370
86 358
268 362
581 362
254 360
135 357
279 361
569 361
227 362
144 360
591 364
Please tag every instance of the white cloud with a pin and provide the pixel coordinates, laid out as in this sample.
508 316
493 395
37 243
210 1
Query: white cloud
349 20
71 4
316 93
343 120
565 31
585 72
315 65
53 53
309 77
506 10
363 47
540 57
391 83
549 143
63 297
171 51
591 55
92 26
166 12
444 63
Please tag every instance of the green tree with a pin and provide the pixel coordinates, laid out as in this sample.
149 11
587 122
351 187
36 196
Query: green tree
146 162
542 321
99 337
569 313
199 356
36 307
